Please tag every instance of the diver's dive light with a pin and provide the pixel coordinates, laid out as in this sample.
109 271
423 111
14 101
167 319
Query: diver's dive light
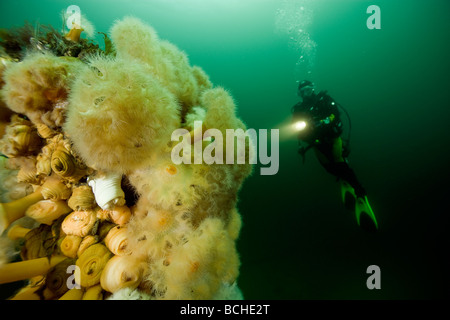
300 125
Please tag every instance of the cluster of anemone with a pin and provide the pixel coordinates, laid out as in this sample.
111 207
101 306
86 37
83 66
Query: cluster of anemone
111 117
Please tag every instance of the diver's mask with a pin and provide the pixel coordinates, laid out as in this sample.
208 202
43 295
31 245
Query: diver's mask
306 92
305 89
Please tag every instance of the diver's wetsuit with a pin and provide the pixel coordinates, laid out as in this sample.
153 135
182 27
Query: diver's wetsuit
323 131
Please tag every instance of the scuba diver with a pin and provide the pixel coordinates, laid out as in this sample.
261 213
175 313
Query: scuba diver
318 123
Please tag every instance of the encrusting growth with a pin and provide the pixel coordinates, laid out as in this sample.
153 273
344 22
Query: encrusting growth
93 136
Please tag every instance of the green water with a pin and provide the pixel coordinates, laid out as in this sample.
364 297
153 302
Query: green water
298 241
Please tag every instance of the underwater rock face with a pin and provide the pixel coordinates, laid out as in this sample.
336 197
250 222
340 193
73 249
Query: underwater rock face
172 233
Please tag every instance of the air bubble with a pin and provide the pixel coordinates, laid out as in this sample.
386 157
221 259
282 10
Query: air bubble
293 18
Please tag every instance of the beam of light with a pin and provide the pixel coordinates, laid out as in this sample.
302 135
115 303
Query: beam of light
289 130
300 125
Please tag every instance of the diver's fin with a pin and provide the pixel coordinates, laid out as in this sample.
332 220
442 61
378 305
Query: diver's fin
348 195
364 215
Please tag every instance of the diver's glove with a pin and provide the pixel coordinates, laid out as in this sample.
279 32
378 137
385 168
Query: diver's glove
320 124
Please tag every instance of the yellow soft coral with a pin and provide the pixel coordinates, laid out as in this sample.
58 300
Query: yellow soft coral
135 40
38 87
198 267
122 112
119 116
